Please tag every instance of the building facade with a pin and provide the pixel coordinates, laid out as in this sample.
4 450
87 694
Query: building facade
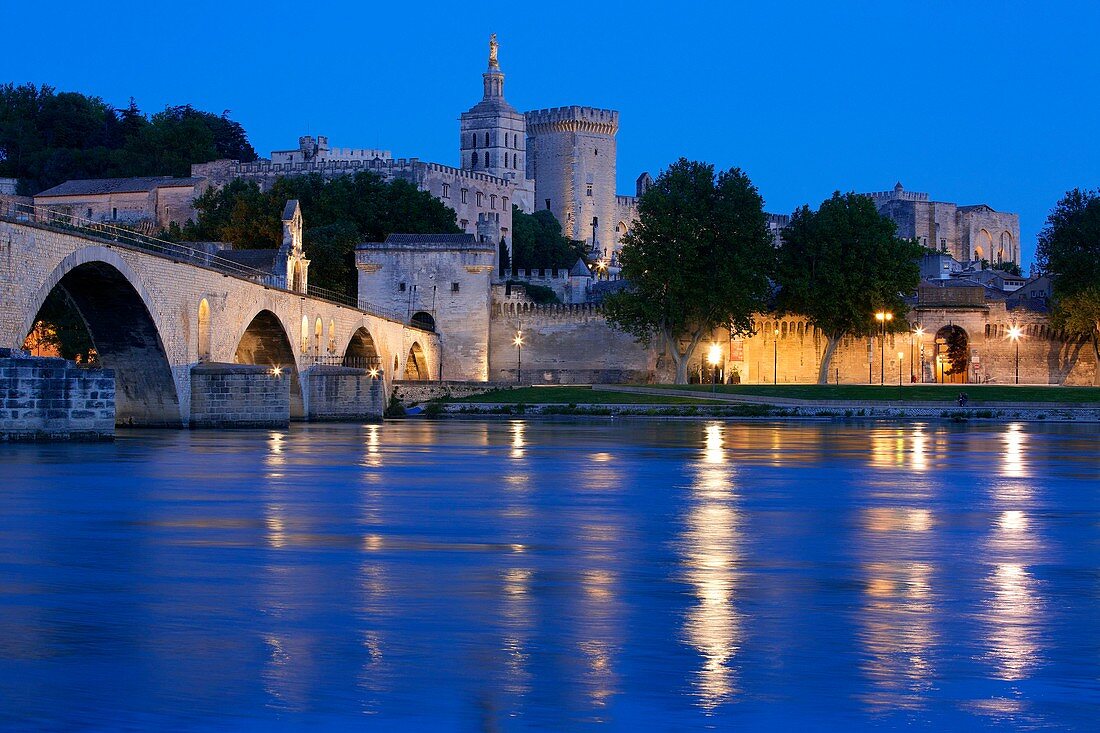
967 233
154 202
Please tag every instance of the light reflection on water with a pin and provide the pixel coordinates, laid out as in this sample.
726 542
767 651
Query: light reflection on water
544 575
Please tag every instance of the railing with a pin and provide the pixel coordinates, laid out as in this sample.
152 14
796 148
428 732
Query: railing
180 252
355 362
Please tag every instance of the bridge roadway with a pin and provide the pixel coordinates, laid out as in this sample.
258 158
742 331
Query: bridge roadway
155 311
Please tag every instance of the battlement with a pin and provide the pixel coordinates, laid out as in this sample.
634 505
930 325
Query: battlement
573 119
896 194
387 167
550 311
626 202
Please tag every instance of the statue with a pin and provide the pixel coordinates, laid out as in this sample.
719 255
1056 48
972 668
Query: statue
493 63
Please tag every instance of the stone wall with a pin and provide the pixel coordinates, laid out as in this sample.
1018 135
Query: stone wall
46 398
238 396
564 344
342 393
413 393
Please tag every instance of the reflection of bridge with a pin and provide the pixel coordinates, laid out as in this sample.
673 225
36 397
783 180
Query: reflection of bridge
155 310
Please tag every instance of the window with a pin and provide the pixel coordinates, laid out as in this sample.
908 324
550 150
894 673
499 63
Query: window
473 140
596 151
479 198
401 288
493 201
505 139
486 158
89 214
454 287
446 191
547 204
464 192
473 160
114 213
504 203
588 190
943 244
486 139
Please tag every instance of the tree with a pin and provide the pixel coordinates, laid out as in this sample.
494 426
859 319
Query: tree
841 264
537 242
698 258
339 213
1069 252
958 351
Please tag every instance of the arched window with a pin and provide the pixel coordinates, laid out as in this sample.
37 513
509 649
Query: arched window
331 336
204 330
305 335
473 140
473 159
318 331
486 158
486 139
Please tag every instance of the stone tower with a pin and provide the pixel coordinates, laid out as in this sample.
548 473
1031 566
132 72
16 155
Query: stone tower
572 161
492 137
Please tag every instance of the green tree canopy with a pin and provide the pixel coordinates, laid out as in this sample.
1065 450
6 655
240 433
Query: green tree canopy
339 213
537 242
698 258
48 137
840 265
1069 251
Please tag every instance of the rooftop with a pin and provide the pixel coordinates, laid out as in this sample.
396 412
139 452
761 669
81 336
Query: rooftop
91 186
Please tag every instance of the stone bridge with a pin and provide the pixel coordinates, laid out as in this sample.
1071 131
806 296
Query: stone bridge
180 335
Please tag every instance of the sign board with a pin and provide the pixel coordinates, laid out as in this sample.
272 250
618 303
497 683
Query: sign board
737 350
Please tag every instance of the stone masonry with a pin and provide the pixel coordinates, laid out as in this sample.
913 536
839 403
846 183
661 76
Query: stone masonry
47 398
238 396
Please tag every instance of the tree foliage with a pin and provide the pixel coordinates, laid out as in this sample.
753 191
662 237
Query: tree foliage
957 351
698 258
537 242
339 213
841 264
1069 252
48 137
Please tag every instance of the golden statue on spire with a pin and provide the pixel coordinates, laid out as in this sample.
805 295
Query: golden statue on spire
493 46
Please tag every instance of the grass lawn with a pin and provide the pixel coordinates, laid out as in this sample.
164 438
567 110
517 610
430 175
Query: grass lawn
570 395
979 393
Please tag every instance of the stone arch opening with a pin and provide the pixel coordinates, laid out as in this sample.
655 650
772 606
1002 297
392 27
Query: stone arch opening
106 309
424 320
984 248
361 352
331 336
303 341
952 355
1004 253
266 343
318 332
416 367
204 330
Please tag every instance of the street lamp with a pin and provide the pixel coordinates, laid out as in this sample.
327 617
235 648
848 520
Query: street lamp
1014 333
518 341
901 355
775 358
919 333
882 317
714 356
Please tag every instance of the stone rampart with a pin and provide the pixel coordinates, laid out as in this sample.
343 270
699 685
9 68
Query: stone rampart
47 398
413 393
238 396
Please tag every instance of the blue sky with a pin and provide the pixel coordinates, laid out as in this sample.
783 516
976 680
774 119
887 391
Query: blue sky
991 102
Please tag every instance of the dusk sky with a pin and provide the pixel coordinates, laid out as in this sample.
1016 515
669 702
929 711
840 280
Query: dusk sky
991 103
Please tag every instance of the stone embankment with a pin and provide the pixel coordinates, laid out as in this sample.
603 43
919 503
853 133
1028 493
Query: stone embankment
53 399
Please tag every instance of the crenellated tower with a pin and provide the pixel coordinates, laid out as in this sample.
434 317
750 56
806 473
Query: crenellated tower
572 161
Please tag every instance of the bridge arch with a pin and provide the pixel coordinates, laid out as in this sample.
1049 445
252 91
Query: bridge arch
361 350
125 329
265 342
416 364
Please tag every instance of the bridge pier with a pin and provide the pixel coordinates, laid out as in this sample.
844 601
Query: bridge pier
334 393
239 396
53 399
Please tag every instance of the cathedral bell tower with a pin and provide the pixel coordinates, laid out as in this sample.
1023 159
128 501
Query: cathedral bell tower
492 134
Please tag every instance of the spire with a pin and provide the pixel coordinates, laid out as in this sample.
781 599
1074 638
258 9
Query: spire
493 77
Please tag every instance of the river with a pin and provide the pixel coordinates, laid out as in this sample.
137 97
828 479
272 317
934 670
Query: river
646 574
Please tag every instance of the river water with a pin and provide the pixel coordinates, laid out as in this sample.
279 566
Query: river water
648 575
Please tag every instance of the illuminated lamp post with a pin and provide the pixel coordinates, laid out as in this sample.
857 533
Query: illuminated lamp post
901 356
518 341
882 317
1014 333
714 356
